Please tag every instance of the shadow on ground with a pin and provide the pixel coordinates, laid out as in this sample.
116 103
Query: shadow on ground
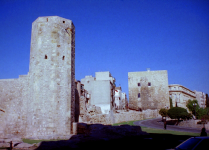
151 141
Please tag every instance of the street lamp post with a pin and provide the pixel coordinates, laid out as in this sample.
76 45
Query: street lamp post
194 105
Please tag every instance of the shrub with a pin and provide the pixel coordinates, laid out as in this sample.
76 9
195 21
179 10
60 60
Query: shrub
191 107
178 112
163 112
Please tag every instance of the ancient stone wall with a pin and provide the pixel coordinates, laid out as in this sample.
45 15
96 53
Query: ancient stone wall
41 105
148 90
193 124
52 78
13 100
119 116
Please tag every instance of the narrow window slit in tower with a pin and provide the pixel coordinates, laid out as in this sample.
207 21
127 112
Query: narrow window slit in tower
45 56
47 19
63 57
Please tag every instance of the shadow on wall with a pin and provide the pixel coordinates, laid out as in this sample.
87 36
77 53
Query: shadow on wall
77 106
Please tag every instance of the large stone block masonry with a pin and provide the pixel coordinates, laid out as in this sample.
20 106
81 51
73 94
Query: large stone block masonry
41 105
148 90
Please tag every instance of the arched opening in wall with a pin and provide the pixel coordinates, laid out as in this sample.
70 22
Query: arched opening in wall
45 56
63 21
63 58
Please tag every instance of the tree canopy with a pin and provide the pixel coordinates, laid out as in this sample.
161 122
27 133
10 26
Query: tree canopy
163 112
171 102
191 107
178 112
198 112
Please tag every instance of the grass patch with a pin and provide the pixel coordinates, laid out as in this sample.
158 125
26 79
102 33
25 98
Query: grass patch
131 123
128 123
29 141
158 131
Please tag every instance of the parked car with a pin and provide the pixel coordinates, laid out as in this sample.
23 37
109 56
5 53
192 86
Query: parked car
194 143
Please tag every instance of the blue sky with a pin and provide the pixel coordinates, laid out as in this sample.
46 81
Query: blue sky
119 36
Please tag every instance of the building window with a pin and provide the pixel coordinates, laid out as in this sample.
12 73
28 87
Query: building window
138 95
63 57
149 83
63 21
45 56
138 84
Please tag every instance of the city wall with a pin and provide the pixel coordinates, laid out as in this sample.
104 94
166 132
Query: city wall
41 105
14 101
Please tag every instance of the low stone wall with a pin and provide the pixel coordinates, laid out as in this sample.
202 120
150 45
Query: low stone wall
128 116
108 131
118 116
193 124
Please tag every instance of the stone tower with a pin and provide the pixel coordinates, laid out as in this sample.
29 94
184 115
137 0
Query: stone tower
51 101
148 90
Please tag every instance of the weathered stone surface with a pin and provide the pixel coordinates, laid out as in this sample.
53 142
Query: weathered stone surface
4 144
148 90
121 116
83 107
23 145
41 104
193 124
93 110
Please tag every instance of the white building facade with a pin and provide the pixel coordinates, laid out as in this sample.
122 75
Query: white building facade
180 95
100 90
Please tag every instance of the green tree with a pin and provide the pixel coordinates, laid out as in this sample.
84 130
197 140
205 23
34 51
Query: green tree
191 107
163 112
171 102
189 116
207 110
201 112
177 113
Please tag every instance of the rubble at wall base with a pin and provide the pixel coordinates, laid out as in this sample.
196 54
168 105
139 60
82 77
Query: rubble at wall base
119 116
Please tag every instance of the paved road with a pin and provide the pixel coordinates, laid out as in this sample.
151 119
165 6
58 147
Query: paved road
153 123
